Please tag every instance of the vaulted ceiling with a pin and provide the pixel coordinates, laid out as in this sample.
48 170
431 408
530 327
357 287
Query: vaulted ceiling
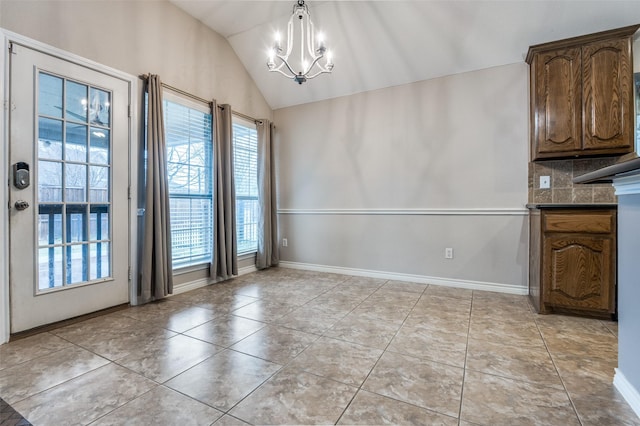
379 44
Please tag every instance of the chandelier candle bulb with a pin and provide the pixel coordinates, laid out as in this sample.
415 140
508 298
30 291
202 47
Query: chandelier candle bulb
310 54
277 37
321 46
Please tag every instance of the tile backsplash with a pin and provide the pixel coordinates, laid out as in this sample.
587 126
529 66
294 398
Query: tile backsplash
563 190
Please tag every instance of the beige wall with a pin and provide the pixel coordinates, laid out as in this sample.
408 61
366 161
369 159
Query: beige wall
141 37
422 153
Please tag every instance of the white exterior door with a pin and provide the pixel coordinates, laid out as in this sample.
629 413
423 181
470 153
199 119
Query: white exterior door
68 196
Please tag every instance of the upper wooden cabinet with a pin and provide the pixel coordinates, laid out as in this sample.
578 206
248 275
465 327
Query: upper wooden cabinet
582 95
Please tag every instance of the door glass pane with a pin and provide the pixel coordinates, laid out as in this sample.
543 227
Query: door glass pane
99 148
100 107
76 224
75 148
74 172
49 267
49 138
98 184
49 95
75 183
49 181
77 263
100 260
76 102
99 223
49 224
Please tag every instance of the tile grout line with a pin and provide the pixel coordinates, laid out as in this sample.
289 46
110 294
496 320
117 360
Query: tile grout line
301 352
466 354
383 351
282 366
318 338
64 381
564 387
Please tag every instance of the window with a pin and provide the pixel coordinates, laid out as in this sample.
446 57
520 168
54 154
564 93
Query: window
188 127
245 161
74 142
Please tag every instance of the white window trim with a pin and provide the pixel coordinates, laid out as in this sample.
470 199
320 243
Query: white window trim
247 255
191 268
171 96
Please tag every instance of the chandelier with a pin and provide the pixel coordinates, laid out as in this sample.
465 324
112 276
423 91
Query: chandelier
309 64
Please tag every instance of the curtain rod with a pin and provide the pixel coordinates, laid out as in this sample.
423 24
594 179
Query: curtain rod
199 99
182 92
246 117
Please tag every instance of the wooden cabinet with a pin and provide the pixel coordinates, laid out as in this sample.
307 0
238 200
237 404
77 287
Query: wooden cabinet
573 260
582 96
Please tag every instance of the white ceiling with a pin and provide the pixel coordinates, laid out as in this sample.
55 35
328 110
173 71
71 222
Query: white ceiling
379 44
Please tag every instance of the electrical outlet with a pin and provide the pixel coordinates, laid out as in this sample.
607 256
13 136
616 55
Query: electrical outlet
285 243
545 182
448 253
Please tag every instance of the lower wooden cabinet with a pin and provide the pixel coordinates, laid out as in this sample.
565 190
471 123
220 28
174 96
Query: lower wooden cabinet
573 260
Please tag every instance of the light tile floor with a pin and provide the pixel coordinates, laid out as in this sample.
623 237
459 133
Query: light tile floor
297 347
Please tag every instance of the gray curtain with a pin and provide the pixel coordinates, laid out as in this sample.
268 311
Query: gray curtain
268 221
225 257
156 275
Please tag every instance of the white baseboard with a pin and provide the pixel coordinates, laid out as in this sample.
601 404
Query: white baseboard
446 282
629 393
247 270
203 282
191 285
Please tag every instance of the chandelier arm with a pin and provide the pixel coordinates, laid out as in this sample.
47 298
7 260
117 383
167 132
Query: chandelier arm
279 69
315 61
290 77
322 71
285 63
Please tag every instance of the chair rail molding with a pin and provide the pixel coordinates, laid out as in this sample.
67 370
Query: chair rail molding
500 211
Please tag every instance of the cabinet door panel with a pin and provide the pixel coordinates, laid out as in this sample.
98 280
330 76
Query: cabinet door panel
577 270
558 100
607 79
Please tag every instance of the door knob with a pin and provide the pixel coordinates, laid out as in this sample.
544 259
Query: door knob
21 205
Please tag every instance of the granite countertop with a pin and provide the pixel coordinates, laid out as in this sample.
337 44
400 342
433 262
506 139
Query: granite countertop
569 206
606 174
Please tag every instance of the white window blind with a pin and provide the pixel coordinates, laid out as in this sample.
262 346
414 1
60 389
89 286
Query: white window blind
245 161
189 162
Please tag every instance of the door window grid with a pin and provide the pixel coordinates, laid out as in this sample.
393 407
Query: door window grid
245 161
74 143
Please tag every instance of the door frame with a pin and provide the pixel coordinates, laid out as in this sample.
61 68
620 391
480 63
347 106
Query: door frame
133 132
